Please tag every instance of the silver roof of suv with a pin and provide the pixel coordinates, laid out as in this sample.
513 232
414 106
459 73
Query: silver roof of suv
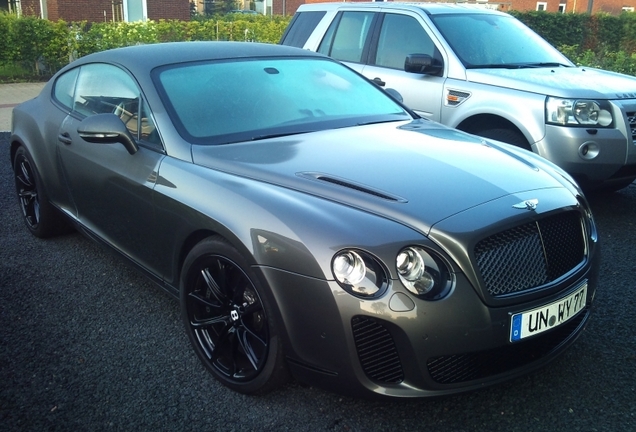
429 8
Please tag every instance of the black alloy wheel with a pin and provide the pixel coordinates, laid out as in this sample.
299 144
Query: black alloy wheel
228 321
41 218
27 191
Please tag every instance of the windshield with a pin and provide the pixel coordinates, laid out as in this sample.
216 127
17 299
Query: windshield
249 99
488 40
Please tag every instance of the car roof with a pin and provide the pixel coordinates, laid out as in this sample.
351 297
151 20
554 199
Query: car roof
143 58
428 8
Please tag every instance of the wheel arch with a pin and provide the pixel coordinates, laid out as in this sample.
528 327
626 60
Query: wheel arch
13 148
481 122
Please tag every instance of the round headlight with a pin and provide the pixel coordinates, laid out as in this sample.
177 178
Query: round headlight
586 112
359 273
348 268
423 273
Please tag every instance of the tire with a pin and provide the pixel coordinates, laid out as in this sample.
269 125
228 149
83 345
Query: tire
229 320
41 218
509 136
611 187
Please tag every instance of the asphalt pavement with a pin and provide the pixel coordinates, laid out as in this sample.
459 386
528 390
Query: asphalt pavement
88 344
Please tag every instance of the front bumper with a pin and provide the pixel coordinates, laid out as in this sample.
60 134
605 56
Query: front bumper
592 156
411 347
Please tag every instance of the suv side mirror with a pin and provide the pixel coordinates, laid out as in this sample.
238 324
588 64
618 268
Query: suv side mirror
423 64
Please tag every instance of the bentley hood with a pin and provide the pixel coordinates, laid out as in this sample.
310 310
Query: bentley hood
417 173
575 82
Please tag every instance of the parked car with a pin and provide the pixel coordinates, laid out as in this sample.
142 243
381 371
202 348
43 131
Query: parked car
307 221
484 72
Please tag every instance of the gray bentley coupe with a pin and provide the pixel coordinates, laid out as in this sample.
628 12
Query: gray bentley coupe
310 225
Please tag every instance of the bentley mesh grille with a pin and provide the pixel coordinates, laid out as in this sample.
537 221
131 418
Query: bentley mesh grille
531 255
376 351
479 365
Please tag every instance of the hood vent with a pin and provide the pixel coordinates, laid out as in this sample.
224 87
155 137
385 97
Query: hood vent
351 185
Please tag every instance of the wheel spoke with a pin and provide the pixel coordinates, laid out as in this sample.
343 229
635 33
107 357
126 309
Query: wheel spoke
25 178
198 298
217 345
231 368
210 322
254 335
242 336
213 286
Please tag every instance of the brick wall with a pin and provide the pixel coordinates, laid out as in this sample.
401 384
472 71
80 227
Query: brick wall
102 10
289 6
168 9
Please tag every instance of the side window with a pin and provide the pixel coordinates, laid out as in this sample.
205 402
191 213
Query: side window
301 27
346 37
103 88
64 88
401 35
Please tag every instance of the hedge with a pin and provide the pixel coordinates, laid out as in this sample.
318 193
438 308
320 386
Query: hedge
40 47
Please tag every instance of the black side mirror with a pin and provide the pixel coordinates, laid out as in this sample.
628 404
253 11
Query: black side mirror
423 64
107 129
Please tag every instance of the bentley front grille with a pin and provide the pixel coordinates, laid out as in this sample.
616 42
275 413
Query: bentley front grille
531 255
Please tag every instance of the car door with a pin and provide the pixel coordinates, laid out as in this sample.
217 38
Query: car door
347 38
111 188
398 35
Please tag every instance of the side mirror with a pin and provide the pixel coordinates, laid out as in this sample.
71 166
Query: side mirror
107 129
423 64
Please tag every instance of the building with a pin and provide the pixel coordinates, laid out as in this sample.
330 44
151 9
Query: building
100 10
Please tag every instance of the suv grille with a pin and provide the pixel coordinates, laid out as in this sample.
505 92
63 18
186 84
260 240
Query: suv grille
376 350
531 255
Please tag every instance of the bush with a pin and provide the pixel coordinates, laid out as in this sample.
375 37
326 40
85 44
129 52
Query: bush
42 47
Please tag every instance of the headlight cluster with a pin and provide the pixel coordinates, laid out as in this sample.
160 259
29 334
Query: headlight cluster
359 273
578 112
422 272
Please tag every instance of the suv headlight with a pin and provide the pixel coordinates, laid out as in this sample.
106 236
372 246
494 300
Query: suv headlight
578 112
424 273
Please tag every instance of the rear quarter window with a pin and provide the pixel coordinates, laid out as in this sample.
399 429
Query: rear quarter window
300 28
65 87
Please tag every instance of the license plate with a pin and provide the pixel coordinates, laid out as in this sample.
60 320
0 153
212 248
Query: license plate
536 321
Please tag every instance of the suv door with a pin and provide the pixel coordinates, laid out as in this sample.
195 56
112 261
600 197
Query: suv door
347 39
376 45
397 36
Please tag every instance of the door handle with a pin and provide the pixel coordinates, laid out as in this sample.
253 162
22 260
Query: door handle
64 138
379 81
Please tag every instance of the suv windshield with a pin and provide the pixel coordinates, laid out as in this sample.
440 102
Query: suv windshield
249 99
485 40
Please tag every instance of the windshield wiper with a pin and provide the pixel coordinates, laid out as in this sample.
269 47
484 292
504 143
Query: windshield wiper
545 64
278 135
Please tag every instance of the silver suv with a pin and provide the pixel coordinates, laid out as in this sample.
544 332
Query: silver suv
484 72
